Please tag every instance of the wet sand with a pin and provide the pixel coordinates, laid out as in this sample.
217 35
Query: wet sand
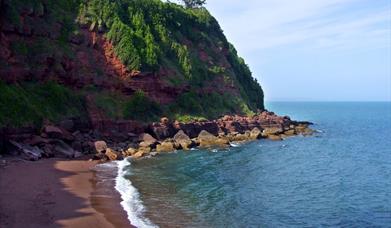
55 193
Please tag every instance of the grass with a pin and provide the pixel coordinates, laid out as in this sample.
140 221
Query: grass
30 103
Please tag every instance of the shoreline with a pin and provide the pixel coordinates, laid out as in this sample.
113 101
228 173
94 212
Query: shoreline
56 193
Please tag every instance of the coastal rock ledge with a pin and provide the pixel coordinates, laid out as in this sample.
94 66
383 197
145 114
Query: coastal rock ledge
150 140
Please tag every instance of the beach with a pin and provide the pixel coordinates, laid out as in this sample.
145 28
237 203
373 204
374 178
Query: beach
55 193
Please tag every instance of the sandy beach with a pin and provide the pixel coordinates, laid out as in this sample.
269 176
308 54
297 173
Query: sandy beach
55 193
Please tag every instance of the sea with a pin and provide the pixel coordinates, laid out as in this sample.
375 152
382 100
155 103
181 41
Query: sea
339 177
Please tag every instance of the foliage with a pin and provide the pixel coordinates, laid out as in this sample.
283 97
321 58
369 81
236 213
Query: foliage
140 107
194 3
29 104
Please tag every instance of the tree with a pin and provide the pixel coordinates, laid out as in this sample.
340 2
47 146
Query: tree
194 3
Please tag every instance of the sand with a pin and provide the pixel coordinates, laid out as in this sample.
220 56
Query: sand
55 193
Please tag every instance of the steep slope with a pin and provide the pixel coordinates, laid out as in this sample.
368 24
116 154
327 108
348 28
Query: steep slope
129 59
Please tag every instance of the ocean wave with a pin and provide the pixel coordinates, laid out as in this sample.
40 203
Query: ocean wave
130 197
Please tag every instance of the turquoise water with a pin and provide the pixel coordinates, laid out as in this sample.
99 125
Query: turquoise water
341 177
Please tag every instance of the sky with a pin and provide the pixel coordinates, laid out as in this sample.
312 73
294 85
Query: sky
312 50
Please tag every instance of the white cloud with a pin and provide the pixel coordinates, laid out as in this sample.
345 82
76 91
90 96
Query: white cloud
333 24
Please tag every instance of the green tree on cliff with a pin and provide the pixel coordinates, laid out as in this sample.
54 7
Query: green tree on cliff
194 3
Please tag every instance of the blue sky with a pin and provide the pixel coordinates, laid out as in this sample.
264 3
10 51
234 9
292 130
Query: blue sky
313 50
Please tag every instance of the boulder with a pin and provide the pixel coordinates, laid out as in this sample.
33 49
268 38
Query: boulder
271 131
290 132
111 154
63 149
255 133
139 154
129 152
166 146
164 120
206 139
28 152
100 146
274 137
53 132
183 140
147 140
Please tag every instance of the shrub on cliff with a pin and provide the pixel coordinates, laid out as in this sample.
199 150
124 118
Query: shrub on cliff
30 103
140 107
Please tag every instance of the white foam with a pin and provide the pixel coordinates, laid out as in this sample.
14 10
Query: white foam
130 197
234 144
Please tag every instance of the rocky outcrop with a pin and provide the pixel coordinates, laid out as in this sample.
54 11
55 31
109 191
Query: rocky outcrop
206 139
54 140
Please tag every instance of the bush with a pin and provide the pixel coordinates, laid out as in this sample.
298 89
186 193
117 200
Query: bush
29 104
140 107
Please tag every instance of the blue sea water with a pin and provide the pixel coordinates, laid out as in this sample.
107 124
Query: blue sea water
340 177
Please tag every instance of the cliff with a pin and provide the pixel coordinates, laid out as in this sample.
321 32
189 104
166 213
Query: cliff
117 61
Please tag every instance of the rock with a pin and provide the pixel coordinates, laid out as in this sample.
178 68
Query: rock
153 154
274 137
48 150
206 139
164 120
139 154
77 154
67 124
271 131
255 133
111 154
28 152
37 140
100 146
290 132
129 152
183 140
147 140
63 149
166 146
53 132
145 150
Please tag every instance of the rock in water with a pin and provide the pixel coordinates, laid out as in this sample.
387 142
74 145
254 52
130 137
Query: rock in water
255 133
271 131
183 140
206 139
166 146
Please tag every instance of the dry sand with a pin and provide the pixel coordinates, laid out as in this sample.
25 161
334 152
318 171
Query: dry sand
55 193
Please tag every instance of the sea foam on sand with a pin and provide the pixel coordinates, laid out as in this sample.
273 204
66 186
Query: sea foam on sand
130 196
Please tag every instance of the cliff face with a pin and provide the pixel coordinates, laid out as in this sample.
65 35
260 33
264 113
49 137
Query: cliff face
127 59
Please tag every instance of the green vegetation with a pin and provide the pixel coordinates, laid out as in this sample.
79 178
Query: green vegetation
140 107
31 103
147 35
